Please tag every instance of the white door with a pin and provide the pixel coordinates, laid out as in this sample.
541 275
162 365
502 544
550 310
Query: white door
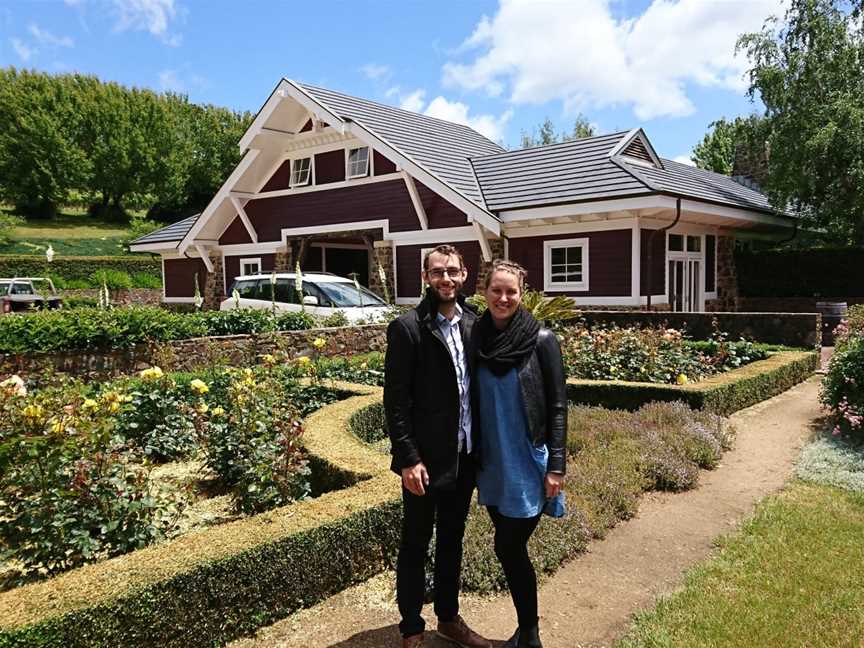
685 284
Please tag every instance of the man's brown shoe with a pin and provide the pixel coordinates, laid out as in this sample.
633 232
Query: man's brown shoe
458 632
414 641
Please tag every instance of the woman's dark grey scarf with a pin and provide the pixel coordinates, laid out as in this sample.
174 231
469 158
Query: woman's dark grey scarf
503 350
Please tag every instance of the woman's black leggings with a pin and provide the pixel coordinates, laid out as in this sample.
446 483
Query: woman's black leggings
511 547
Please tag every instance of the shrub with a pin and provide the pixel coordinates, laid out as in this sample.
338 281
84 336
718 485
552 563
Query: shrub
146 280
369 424
252 442
843 387
120 328
76 268
335 320
114 279
546 309
72 490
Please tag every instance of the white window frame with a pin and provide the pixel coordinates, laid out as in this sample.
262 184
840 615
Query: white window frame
548 246
250 260
365 173
291 182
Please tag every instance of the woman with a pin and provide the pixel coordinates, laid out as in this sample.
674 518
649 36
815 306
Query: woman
522 407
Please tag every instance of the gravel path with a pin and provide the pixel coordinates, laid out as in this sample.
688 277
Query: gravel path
588 603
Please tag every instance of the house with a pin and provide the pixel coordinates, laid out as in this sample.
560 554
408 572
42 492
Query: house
346 185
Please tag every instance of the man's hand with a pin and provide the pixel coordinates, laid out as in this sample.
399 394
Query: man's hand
554 484
415 478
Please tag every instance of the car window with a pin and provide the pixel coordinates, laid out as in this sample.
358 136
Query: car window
248 288
21 288
314 290
286 291
345 295
4 288
42 286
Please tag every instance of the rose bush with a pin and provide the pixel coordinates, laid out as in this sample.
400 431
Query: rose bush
843 386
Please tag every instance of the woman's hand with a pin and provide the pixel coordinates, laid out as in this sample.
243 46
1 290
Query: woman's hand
554 484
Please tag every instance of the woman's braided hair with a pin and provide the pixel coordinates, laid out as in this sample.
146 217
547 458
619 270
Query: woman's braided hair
505 265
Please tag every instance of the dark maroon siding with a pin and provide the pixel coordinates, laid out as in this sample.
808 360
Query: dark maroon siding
408 266
232 265
313 261
180 277
609 261
382 164
658 262
376 201
710 252
330 167
281 179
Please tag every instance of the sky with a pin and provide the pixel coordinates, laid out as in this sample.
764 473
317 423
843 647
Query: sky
500 66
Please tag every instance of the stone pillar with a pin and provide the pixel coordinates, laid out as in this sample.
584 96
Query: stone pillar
283 261
214 289
497 247
382 253
727 277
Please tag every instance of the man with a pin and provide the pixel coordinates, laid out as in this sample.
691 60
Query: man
428 405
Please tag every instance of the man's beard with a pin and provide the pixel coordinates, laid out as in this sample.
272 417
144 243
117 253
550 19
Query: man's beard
438 299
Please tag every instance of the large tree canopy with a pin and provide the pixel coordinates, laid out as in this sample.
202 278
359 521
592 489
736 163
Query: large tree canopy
112 146
736 147
808 71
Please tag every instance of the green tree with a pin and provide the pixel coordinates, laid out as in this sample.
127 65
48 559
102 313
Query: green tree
40 159
808 71
546 133
735 147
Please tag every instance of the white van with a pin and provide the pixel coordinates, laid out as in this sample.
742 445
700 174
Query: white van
323 295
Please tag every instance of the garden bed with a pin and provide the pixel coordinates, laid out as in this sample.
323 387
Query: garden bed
723 393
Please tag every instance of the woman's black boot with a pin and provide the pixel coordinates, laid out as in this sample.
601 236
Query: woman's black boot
528 637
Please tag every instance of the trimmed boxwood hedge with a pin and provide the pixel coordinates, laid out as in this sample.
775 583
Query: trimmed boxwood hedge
211 586
723 393
78 268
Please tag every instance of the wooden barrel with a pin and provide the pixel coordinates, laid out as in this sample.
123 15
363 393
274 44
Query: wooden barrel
832 314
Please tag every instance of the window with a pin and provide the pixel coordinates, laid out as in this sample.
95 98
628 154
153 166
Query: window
694 243
358 162
676 243
250 267
300 171
286 291
249 289
22 288
566 264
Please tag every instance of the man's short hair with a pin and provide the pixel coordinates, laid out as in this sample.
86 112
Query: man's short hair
446 250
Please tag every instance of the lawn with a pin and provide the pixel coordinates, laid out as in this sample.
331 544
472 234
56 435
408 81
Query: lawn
72 233
793 576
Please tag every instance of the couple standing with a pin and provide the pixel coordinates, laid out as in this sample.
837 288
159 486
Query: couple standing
472 402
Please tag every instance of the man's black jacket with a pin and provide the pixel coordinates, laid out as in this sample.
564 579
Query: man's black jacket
421 393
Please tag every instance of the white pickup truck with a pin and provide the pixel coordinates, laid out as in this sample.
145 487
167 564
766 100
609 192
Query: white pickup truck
28 293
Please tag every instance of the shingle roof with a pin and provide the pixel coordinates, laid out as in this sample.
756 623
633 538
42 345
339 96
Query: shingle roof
173 232
701 184
577 170
441 147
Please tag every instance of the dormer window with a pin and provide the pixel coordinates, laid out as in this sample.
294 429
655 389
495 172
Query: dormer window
358 162
300 171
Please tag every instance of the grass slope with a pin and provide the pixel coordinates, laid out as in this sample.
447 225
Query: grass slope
72 233
792 577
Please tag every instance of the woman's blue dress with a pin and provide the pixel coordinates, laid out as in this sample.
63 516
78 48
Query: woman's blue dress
513 470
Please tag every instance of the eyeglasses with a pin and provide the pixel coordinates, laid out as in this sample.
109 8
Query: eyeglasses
438 273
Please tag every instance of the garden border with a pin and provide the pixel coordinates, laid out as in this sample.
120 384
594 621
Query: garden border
220 583
723 393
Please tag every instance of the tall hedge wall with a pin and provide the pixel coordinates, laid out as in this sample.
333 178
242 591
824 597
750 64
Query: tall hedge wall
69 267
826 272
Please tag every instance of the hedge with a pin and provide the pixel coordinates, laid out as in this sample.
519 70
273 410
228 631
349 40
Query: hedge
826 272
77 268
211 586
723 393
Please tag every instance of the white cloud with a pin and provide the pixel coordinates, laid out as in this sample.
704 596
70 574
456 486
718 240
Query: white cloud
170 80
23 51
583 55
375 72
44 37
455 111
684 159
414 101
153 16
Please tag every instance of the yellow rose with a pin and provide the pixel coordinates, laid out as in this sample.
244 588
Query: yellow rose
58 426
114 407
153 373
201 408
268 358
319 343
682 379
33 411
199 386
304 360
218 411
90 404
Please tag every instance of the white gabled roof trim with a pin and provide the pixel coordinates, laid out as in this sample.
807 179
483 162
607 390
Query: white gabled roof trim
636 133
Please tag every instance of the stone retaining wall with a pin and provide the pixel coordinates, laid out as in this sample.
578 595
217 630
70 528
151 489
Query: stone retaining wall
197 353
792 329
120 296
